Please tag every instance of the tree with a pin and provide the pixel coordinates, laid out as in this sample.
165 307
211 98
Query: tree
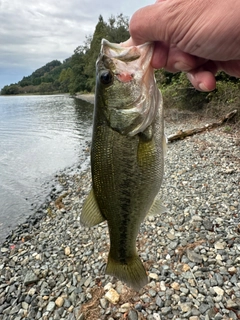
101 31
65 79
118 28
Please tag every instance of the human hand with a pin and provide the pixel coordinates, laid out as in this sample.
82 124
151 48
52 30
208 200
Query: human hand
196 37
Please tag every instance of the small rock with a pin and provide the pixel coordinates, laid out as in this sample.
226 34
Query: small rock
219 257
233 304
25 305
185 267
30 278
119 287
59 302
232 270
132 315
104 303
156 316
108 286
208 224
87 282
125 307
219 291
175 286
15 309
32 291
194 292
186 307
50 306
220 245
159 302
38 256
166 310
153 276
170 236
152 292
203 308
70 309
138 306
67 251
193 256
162 286
112 296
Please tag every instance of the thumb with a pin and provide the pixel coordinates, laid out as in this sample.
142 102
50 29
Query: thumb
150 23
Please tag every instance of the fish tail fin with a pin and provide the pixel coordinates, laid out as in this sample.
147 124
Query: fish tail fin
132 273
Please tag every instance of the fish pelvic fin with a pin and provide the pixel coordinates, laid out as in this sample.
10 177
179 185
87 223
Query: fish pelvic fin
91 214
132 273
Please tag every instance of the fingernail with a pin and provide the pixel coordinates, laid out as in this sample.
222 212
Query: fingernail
181 66
203 87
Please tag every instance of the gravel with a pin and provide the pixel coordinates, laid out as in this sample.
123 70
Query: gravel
53 268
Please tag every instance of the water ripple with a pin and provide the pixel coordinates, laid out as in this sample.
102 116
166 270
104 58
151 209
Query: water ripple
39 135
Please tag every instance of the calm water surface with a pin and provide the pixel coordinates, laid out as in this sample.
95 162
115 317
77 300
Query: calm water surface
39 136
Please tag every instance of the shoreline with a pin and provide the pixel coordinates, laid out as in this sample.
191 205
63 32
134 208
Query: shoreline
54 268
89 97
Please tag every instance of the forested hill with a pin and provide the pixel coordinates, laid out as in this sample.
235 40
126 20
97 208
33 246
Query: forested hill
76 73
43 80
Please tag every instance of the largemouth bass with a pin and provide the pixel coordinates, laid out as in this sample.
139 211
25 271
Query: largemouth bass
126 154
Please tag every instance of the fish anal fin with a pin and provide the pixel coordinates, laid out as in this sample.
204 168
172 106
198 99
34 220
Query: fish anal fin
91 214
132 273
157 207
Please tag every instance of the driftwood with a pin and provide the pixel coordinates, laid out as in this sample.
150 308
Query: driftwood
183 134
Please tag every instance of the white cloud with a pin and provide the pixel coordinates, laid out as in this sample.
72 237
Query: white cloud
33 33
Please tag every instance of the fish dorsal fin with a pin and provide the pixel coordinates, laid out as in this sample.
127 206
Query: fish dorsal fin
165 141
91 214
157 207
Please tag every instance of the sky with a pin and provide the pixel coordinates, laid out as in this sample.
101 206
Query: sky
33 33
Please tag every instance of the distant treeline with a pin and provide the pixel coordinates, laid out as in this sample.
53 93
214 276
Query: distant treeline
77 73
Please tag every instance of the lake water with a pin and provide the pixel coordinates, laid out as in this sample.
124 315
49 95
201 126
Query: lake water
39 136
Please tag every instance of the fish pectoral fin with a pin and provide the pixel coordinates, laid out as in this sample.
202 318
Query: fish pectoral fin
91 214
157 207
132 273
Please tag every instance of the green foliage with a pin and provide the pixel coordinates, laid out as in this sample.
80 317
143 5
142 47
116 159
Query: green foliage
178 92
79 79
11 89
227 129
64 79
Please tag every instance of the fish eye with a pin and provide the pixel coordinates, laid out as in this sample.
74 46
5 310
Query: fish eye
106 77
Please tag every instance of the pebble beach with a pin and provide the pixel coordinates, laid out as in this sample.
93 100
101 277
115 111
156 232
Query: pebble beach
52 268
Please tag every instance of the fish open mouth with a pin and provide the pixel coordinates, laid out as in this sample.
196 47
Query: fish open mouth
127 73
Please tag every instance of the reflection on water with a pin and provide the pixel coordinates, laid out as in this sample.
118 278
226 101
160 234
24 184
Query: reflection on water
39 135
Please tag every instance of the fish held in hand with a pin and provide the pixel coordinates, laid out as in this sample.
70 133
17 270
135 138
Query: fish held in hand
127 154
